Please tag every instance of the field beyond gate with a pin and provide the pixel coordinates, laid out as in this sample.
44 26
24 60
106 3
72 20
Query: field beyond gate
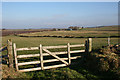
45 51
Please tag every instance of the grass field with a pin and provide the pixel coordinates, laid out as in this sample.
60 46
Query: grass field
75 71
85 32
47 41
65 72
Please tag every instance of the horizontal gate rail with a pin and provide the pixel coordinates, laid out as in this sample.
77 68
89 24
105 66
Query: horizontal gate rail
46 61
45 54
39 68
48 47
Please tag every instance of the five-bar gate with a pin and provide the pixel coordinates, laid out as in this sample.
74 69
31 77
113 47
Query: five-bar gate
65 61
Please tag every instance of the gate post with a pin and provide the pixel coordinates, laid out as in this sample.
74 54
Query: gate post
15 57
68 46
10 53
41 57
88 45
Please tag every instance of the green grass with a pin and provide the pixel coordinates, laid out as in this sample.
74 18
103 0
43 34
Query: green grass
48 41
75 71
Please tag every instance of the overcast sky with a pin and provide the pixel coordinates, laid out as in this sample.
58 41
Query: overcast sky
23 15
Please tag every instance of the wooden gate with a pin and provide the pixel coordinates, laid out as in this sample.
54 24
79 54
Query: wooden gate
66 60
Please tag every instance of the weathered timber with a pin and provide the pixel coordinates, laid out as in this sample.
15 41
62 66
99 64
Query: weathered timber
31 69
79 45
39 68
51 47
10 53
41 57
55 56
90 44
77 51
27 63
48 47
55 66
52 60
46 61
68 48
15 55
46 54
31 48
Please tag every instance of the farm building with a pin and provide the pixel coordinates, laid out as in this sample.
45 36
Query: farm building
75 27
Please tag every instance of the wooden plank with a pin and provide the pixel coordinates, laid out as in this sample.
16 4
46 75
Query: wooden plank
10 53
31 48
28 55
53 60
30 69
69 60
90 44
51 47
45 61
63 46
46 54
77 51
79 45
15 55
41 57
56 53
39 68
27 63
54 66
36 55
55 56
48 47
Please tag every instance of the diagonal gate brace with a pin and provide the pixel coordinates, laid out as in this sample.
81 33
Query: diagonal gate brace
55 56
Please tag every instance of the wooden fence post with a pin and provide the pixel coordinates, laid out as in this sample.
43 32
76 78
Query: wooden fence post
88 45
69 60
108 41
10 53
41 57
15 55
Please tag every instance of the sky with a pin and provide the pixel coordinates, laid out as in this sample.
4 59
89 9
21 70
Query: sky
36 15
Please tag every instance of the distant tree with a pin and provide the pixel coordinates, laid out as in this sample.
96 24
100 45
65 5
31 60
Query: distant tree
54 29
3 29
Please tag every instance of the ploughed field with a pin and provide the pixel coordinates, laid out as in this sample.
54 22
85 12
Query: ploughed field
7 32
108 31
